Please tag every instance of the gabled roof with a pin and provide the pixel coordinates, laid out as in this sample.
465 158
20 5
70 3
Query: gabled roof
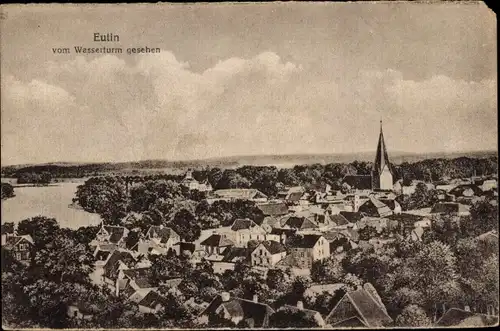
391 203
368 306
352 322
273 209
352 216
273 247
113 262
234 254
243 224
407 219
115 232
459 317
318 187
339 219
304 240
300 223
217 240
360 182
245 309
165 233
13 240
240 193
152 299
382 209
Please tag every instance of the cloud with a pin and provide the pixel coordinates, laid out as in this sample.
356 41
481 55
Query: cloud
110 109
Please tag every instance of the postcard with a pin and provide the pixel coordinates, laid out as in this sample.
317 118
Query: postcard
249 165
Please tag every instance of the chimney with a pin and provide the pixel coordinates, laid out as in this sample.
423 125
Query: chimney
225 296
255 298
300 305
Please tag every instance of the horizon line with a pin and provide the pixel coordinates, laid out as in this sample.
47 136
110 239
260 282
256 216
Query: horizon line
397 153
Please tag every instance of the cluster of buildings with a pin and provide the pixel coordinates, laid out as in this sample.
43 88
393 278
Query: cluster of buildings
301 226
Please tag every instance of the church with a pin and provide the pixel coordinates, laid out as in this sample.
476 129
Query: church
381 177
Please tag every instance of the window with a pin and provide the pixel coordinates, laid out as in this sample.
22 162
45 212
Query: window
18 255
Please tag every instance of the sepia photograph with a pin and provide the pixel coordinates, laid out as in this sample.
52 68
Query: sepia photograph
278 165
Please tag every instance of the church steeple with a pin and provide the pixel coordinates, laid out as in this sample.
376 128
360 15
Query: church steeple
382 172
381 158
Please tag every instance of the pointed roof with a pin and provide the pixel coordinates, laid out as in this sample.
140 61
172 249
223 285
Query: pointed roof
381 158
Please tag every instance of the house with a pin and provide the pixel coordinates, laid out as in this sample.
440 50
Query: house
307 248
273 209
339 221
228 259
455 317
118 260
319 187
450 208
152 303
375 208
362 307
410 221
352 217
192 184
268 253
300 223
110 234
239 194
216 244
246 230
158 240
312 317
20 246
237 310
489 184
280 234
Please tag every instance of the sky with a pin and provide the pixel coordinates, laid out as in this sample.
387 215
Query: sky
246 79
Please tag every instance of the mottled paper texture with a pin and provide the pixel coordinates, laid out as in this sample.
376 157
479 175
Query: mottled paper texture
249 165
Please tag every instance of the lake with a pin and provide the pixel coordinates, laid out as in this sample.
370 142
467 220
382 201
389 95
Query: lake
49 201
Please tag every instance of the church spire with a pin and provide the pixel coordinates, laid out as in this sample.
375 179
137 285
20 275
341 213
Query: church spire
381 158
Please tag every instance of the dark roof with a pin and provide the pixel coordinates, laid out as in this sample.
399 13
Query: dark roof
115 232
447 208
303 241
370 310
273 209
185 246
127 291
102 255
455 317
391 203
141 276
243 224
339 219
300 223
382 209
360 182
352 216
273 247
151 300
381 157
164 233
408 219
217 240
246 309
113 262
294 196
234 254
